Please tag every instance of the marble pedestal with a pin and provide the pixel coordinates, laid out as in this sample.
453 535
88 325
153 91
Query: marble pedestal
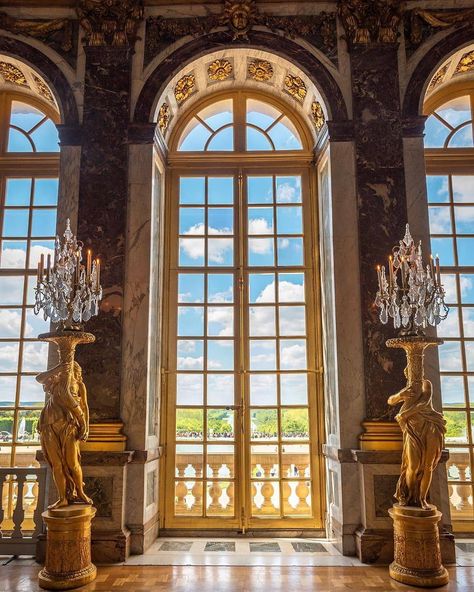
68 548
417 554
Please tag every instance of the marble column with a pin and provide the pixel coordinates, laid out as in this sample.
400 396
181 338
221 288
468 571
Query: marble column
382 215
102 215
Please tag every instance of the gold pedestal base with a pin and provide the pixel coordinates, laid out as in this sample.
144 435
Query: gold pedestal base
417 551
68 548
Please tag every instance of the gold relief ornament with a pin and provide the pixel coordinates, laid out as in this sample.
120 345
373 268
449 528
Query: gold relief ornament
43 89
113 22
10 73
295 86
438 77
164 116
365 22
260 70
239 16
219 70
55 31
184 87
466 63
317 114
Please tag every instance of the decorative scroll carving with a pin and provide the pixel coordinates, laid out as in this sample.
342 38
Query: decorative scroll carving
219 70
184 87
113 23
260 70
466 63
11 73
370 22
57 33
43 89
238 18
164 116
438 77
317 115
421 24
295 86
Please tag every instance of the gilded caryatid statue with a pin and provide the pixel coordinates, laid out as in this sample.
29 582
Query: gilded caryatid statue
422 426
64 420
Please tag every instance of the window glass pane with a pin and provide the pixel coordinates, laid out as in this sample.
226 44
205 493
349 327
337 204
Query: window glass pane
435 133
46 192
217 114
290 251
289 220
440 220
257 140
10 323
35 357
220 321
450 357
220 389
220 287
285 136
191 252
456 427
7 392
191 190
462 138
295 424
261 252
468 322
190 321
220 251
11 290
191 221
260 220
25 116
263 389
220 190
450 288
189 389
292 354
35 324
44 223
450 326
463 188
220 424
220 354
18 192
291 287
31 392
262 354
259 190
223 140
261 287
189 424
261 114
444 248
190 354
262 321
464 217
15 222
437 188
194 137
264 424
37 248
46 138
288 189
292 320
456 111
220 221
18 141
452 391
9 356
191 287
466 251
13 254
293 389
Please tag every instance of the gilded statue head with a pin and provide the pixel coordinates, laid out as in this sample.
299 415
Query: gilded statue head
239 16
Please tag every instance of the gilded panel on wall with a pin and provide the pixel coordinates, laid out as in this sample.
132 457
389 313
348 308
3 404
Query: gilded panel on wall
319 30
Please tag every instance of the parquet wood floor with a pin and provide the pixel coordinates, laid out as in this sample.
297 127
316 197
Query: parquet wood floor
235 579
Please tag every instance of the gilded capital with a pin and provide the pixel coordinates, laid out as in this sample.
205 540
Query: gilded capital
110 22
370 22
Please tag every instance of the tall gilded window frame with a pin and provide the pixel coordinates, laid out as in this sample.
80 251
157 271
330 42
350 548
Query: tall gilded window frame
241 162
22 165
450 162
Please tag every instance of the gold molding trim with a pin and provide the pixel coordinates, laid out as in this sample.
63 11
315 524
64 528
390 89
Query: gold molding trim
185 86
317 115
219 70
105 436
296 87
164 116
381 435
260 70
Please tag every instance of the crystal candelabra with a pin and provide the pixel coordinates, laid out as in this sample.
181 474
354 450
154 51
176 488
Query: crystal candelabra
418 301
68 291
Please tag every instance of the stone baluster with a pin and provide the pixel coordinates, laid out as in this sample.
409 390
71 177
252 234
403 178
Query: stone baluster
18 513
286 492
181 489
197 495
302 491
215 491
254 494
267 490
230 495
463 490
3 499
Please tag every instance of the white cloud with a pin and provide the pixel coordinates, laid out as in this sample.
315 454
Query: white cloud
292 320
189 363
463 188
262 321
440 220
217 249
13 258
221 321
289 292
8 357
10 323
35 357
259 226
292 355
190 388
260 246
286 193
219 297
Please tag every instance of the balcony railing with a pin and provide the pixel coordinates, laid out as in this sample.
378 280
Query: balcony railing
23 500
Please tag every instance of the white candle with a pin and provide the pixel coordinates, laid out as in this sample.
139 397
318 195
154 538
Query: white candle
48 267
390 270
89 263
432 269
438 273
41 267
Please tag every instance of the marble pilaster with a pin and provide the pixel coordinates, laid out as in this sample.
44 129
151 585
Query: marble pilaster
102 216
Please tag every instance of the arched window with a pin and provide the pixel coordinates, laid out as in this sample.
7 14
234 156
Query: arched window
450 185
242 358
29 163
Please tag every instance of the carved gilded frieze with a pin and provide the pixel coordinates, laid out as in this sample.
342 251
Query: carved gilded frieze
238 19
295 86
317 115
43 89
10 73
113 23
59 34
219 70
260 70
164 116
376 21
438 77
466 63
421 24
184 88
